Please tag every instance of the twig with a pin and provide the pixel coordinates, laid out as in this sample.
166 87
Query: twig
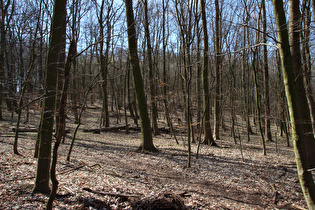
69 190
276 194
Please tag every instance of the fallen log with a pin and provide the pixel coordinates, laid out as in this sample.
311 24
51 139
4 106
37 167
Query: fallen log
25 130
29 130
99 130
118 128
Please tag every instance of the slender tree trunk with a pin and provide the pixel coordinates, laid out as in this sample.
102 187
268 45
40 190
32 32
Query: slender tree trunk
268 135
258 109
245 82
208 138
147 141
199 75
55 47
165 82
298 108
4 12
104 59
85 98
74 94
217 109
133 113
61 124
20 103
152 79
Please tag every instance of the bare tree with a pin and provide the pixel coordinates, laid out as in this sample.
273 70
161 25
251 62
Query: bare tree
217 102
46 131
266 73
154 111
4 21
302 138
147 141
208 138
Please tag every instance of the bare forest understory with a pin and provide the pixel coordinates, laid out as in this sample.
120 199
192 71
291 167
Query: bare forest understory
107 172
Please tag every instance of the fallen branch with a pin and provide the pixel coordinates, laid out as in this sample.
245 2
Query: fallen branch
35 130
25 130
120 195
118 128
99 130
275 192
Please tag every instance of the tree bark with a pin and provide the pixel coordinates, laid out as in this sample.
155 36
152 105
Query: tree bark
208 138
268 135
297 108
147 141
217 109
294 39
61 124
4 11
55 47
307 60
104 59
154 112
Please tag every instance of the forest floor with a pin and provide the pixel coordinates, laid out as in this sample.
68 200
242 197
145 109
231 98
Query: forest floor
106 172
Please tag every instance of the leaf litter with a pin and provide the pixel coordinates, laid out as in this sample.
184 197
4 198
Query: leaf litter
106 172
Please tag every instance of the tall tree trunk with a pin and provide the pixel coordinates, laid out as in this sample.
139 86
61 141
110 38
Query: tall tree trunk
294 39
307 60
55 47
147 141
199 73
208 138
165 83
74 94
268 135
104 59
61 124
4 12
245 80
298 108
217 109
258 109
154 112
